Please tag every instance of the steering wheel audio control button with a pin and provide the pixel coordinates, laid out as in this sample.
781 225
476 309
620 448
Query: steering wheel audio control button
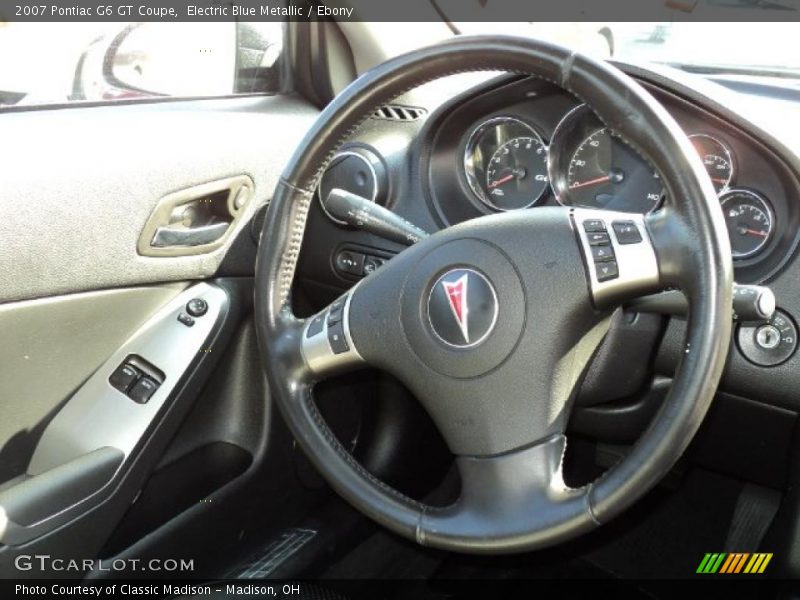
620 262
626 232
602 253
606 271
598 238
594 225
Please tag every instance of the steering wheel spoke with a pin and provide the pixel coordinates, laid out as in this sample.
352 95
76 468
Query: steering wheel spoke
501 496
327 343
620 255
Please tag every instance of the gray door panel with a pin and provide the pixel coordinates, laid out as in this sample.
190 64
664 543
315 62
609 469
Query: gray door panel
51 346
79 184
81 188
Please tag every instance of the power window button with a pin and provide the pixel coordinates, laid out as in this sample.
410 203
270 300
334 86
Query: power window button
124 377
142 390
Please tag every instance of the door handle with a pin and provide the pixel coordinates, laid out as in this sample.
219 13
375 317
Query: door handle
196 220
171 236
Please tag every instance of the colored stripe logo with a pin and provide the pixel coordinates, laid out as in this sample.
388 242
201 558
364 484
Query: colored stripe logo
729 563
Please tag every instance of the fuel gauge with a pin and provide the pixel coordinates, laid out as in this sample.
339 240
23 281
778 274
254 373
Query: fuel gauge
717 159
749 221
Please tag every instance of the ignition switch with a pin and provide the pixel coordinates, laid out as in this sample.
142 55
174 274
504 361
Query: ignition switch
768 344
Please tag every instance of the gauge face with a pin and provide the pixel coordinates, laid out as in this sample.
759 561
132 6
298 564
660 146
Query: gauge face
717 159
604 172
506 164
749 221
592 167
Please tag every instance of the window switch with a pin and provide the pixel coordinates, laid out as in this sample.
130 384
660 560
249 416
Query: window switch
142 390
123 377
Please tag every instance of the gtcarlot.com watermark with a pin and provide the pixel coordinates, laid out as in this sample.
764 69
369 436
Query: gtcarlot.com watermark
45 562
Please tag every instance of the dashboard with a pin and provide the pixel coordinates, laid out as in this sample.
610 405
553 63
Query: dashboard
443 156
529 143
520 143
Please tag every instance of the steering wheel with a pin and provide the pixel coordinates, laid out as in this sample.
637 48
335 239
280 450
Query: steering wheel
492 322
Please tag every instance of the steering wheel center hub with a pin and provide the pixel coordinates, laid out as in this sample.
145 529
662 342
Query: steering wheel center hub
463 308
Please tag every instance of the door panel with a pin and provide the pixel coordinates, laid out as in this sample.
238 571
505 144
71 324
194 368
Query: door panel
79 184
78 300
51 346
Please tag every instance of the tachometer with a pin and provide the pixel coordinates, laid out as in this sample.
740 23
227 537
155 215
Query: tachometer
506 164
749 220
717 159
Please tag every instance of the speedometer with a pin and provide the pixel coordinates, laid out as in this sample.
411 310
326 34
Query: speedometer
604 172
592 167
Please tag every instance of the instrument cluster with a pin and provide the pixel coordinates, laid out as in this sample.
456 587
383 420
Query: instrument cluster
510 164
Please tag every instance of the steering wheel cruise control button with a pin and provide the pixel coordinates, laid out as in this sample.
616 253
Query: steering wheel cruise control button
626 232
316 325
337 340
334 317
197 307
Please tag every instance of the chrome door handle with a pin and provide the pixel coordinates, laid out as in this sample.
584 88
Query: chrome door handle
188 236
196 220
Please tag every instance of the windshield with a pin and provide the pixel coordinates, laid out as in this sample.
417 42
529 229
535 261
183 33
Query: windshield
747 48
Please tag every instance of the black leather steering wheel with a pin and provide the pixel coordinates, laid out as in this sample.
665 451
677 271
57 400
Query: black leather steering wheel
492 322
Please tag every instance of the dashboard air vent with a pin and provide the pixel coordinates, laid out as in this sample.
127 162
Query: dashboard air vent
395 112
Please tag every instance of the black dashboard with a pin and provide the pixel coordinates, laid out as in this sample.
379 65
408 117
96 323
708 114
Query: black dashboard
511 143
522 143
587 165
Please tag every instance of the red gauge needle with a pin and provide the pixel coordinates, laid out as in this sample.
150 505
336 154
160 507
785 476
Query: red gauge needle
581 184
502 180
753 232
718 180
